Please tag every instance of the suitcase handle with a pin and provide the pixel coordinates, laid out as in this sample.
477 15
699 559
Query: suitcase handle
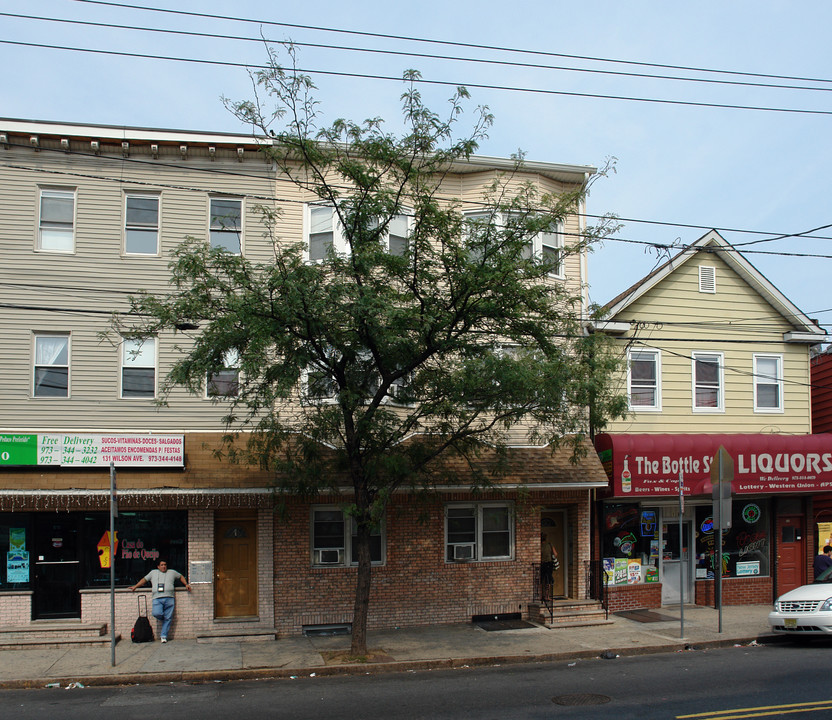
142 601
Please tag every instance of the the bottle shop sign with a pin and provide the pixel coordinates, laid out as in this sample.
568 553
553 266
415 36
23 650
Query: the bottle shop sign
651 465
82 450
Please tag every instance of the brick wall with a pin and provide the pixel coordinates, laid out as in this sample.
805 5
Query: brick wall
15 607
737 591
634 597
416 586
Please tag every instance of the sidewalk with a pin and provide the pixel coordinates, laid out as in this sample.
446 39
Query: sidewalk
442 646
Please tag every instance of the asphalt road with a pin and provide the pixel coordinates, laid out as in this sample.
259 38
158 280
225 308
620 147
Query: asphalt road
739 682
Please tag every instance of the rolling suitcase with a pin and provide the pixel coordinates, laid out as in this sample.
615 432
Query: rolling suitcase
142 632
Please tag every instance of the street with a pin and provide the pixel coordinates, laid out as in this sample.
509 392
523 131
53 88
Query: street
735 682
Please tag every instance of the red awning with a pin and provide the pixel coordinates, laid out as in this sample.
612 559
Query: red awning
651 464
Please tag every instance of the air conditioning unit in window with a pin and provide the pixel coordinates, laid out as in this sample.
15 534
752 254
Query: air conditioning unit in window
463 551
327 557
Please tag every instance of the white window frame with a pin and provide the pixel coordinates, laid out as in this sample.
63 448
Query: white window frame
703 355
230 365
760 379
318 211
46 365
345 548
65 229
142 227
657 357
451 549
128 359
553 241
239 233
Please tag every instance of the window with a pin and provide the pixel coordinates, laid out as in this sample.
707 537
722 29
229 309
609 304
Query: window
51 377
707 382
768 383
333 539
547 247
56 232
226 381
325 233
138 368
478 532
141 225
643 380
227 224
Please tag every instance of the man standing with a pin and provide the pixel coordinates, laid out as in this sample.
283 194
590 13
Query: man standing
161 581
823 560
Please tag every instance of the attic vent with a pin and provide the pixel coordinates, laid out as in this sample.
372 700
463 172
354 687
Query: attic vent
707 279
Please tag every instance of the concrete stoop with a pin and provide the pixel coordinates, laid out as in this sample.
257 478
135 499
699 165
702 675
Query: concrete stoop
571 613
54 634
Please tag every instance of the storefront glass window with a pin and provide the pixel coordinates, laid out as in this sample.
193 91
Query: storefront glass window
143 537
745 546
15 548
630 544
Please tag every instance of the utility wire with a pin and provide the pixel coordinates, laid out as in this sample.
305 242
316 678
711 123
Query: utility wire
425 81
424 56
472 203
451 43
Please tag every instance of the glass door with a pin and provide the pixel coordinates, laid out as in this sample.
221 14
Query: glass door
57 567
676 569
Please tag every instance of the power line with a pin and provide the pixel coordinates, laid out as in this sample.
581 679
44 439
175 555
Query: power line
452 43
411 54
425 81
474 204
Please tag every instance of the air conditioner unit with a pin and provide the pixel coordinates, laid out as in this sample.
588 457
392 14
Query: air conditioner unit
464 551
328 557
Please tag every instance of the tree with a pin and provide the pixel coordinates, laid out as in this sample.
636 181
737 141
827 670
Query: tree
421 333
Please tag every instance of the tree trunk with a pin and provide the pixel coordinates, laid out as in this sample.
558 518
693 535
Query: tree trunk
361 608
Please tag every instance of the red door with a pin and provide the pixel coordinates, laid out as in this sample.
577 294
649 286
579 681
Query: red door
791 555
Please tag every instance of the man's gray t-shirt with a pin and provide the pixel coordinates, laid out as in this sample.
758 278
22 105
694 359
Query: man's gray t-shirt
162 582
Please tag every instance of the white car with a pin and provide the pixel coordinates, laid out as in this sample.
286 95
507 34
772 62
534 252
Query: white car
804 611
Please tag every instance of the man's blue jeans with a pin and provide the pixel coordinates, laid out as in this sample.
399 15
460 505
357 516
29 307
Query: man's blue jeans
163 610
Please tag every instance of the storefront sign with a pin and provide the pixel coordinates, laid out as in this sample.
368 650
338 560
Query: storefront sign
748 568
17 566
762 463
76 450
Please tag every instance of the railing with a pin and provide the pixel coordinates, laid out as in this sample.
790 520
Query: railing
597 584
538 594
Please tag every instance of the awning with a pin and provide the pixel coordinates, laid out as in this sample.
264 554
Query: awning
766 464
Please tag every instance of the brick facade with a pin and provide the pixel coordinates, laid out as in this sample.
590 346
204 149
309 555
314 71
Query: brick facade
416 586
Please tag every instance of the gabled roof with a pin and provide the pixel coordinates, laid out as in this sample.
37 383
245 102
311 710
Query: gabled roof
805 329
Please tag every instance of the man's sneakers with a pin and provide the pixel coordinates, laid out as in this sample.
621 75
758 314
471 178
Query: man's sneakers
164 640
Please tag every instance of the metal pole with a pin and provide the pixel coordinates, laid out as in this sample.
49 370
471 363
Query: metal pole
681 558
112 565
719 544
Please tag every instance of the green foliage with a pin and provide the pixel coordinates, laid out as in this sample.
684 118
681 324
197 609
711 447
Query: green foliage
442 348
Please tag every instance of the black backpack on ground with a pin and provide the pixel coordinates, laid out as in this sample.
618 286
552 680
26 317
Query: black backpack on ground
142 632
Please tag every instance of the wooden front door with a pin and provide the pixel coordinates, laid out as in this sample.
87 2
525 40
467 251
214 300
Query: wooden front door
235 567
791 555
553 528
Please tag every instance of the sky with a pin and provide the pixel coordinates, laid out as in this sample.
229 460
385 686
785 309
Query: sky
681 166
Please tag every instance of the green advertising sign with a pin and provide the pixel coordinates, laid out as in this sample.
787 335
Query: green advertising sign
18 449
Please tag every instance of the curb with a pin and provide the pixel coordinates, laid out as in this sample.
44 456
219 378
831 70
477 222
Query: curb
196 677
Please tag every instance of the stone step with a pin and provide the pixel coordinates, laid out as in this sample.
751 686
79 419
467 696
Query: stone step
54 634
237 635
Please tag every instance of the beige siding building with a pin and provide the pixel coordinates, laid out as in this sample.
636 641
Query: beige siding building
93 214
716 356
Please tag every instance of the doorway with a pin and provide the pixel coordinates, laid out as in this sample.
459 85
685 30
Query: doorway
235 566
56 581
791 554
553 527
676 563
